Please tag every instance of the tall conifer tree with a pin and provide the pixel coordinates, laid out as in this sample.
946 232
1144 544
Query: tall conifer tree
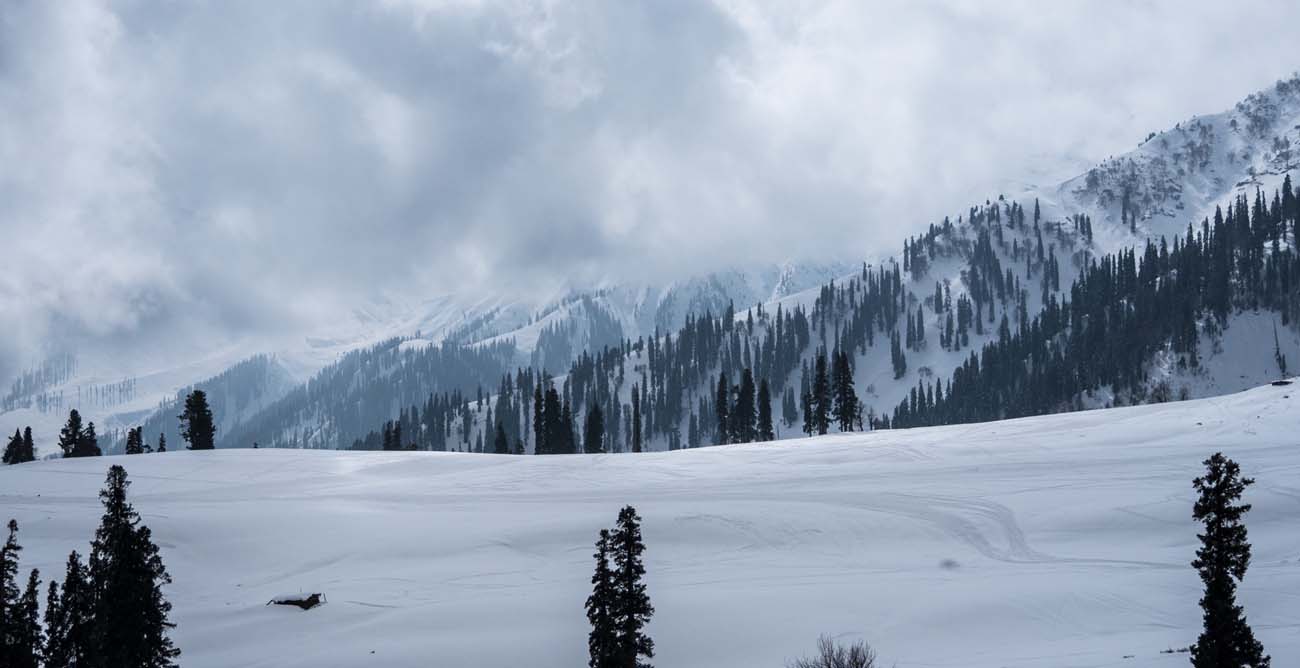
197 425
127 575
1227 640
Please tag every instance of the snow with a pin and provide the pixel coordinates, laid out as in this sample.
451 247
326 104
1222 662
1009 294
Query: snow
1053 541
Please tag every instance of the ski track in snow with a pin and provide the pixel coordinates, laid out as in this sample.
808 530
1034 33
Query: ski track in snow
1059 541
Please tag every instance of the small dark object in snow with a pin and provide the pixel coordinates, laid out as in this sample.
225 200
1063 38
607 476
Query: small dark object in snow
949 564
1281 383
304 601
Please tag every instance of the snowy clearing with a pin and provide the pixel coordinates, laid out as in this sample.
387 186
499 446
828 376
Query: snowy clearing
1059 541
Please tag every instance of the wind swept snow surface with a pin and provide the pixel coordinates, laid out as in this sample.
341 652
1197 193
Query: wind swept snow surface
1060 541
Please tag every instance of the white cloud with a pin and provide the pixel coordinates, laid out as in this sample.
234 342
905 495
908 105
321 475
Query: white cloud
247 168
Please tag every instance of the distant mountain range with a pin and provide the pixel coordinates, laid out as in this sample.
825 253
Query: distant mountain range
1174 178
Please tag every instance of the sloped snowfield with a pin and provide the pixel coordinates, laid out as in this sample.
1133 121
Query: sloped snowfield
1061 541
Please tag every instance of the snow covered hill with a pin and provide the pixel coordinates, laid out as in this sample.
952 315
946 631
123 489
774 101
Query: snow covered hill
1058 541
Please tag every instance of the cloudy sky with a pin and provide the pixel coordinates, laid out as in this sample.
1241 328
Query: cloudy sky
215 168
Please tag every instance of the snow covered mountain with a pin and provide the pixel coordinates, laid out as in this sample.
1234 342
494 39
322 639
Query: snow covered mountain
1173 179
547 331
1059 540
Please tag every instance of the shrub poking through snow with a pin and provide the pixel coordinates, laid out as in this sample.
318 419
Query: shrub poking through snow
833 655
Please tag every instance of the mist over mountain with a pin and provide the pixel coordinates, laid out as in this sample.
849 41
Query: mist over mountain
248 176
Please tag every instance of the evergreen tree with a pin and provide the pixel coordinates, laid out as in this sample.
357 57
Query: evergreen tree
72 435
1227 640
69 619
14 450
89 444
162 443
127 574
631 609
197 426
722 402
821 395
9 597
593 432
636 419
29 447
846 407
20 629
135 441
765 430
501 444
30 641
742 412
809 419
602 642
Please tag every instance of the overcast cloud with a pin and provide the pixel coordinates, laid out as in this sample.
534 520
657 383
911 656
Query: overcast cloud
240 168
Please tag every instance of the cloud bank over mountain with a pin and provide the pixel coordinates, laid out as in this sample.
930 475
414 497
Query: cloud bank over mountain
191 172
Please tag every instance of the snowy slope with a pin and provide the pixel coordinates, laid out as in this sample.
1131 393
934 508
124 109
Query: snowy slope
1179 175
1058 541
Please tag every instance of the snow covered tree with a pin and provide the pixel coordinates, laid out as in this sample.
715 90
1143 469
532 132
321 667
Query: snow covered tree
631 609
197 426
602 642
127 574
162 443
1227 640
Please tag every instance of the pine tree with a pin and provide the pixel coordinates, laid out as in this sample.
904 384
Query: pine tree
30 641
846 407
162 443
602 642
765 430
135 441
809 419
821 395
9 597
631 610
593 431
1227 640
89 444
742 412
636 419
71 436
29 447
722 401
501 444
197 426
127 575
14 450
69 618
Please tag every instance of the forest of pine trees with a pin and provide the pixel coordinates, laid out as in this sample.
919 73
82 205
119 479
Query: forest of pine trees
1121 310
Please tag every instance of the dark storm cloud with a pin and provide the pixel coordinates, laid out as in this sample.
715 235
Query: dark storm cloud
209 168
